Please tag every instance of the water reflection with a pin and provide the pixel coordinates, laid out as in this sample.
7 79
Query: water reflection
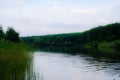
70 63
51 66
113 56
60 49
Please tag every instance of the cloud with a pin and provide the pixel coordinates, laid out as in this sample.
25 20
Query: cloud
56 7
81 11
74 11
103 21
20 1
50 29
31 17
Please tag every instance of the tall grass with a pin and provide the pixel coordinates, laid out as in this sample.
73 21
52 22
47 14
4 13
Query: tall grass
14 61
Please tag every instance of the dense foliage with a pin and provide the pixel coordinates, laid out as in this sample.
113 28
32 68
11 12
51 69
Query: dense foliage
2 35
105 33
10 35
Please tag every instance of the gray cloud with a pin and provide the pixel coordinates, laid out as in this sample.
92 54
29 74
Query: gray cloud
57 16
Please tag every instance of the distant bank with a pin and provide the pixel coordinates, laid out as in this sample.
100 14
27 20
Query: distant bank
104 38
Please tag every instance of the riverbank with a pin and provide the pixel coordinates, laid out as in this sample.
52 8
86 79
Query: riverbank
103 39
111 47
14 60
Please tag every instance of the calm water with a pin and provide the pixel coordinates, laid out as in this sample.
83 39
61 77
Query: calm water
59 66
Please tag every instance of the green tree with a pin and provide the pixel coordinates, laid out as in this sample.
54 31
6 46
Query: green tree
12 35
1 33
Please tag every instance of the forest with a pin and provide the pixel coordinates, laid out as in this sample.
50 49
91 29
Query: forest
10 35
94 36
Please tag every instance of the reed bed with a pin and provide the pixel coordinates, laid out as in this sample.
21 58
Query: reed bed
15 59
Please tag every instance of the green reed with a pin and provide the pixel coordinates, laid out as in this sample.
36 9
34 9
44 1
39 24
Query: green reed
15 60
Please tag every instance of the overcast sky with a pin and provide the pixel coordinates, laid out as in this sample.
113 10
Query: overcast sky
40 17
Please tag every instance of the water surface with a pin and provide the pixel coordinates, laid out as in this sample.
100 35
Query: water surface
60 66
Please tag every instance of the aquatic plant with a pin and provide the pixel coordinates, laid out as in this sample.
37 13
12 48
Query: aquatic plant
15 59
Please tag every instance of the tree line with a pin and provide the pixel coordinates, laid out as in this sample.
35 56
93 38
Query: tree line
98 34
9 35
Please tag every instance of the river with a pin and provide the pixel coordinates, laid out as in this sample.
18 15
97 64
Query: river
61 66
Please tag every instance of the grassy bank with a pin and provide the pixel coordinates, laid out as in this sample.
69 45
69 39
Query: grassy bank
14 60
111 47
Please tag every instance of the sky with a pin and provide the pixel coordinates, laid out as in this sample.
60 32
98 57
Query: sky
42 17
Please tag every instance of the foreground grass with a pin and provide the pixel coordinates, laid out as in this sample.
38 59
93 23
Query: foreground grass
14 61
